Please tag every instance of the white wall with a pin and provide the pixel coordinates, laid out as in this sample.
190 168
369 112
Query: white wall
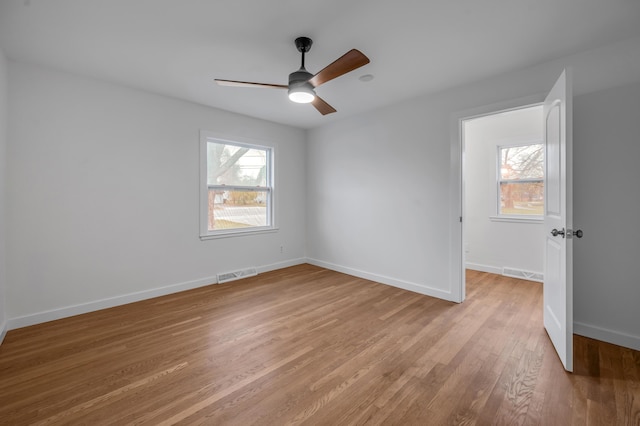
491 245
378 197
103 195
607 207
3 145
388 173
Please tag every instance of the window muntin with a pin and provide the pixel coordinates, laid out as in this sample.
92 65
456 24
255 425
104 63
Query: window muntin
521 180
238 190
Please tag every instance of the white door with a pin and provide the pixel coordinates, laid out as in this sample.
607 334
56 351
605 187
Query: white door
558 220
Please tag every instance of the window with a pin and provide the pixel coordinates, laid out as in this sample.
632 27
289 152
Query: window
521 181
237 188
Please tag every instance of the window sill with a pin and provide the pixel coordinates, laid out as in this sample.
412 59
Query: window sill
236 233
517 219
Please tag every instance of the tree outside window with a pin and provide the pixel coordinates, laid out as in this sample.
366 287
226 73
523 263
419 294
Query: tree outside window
521 180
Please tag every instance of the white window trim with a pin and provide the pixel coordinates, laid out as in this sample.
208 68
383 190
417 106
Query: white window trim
205 234
497 216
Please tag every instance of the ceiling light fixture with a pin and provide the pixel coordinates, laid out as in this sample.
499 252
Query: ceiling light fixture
302 93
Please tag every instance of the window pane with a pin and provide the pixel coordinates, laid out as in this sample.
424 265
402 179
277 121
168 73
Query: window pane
237 209
522 162
524 198
236 165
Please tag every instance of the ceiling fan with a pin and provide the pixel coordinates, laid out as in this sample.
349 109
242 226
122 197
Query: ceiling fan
302 83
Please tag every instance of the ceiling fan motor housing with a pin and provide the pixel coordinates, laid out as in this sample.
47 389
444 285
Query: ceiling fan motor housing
299 77
300 90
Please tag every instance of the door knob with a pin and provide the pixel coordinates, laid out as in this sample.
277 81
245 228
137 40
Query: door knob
570 233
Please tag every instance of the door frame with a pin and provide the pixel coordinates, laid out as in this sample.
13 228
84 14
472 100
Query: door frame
457 206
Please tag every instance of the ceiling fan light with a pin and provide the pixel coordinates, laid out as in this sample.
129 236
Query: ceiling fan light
302 94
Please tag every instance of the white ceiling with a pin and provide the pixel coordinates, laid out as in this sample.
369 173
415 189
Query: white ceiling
177 47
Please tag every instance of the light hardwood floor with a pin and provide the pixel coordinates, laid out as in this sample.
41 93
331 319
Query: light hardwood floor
304 345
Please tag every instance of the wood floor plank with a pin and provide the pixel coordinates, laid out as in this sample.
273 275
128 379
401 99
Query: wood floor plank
304 345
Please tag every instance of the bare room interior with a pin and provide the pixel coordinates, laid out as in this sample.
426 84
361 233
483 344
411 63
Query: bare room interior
503 191
236 213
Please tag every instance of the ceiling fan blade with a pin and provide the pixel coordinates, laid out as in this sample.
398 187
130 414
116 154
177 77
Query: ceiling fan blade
322 107
350 61
234 83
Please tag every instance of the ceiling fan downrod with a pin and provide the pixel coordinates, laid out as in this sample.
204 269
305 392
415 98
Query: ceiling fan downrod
303 44
298 78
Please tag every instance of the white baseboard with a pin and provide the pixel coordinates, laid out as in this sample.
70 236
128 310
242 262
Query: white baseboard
281 265
609 336
394 282
3 331
506 271
483 268
68 311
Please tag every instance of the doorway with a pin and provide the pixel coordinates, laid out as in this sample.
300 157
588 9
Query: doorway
503 192
558 229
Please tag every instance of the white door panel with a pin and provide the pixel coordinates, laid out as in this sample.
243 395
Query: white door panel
558 279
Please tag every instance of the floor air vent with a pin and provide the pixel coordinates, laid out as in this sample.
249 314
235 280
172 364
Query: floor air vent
236 275
525 275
